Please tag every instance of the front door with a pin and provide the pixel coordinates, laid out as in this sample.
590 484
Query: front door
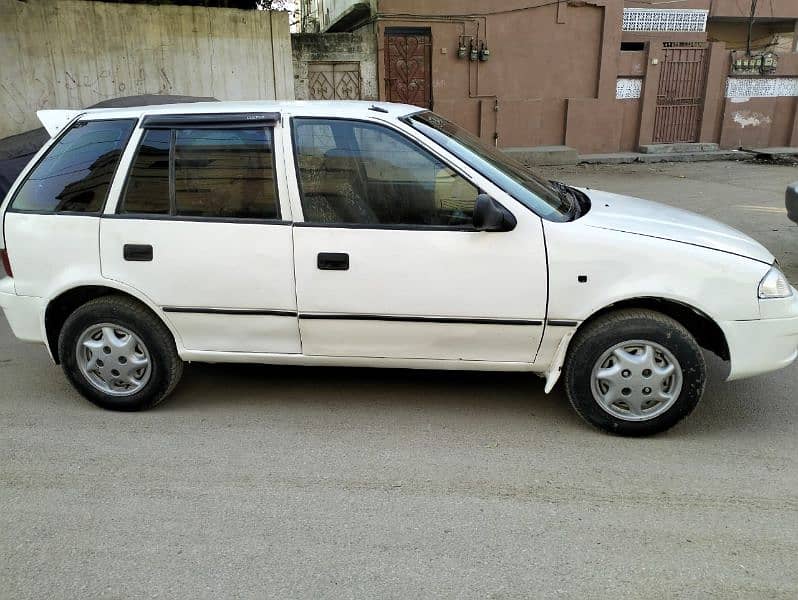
408 66
199 230
388 263
680 96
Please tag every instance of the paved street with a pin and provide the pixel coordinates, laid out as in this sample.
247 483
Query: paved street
255 482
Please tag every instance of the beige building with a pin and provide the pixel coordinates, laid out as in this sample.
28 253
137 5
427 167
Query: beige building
595 75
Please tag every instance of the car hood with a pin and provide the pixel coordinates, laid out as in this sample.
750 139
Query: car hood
643 217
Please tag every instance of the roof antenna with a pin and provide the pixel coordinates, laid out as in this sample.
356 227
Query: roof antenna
378 109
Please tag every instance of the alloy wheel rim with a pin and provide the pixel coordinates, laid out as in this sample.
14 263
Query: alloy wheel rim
113 359
636 380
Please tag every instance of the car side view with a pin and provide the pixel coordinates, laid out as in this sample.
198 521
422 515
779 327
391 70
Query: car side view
372 235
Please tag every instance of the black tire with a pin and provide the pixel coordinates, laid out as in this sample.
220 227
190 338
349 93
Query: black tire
597 337
166 367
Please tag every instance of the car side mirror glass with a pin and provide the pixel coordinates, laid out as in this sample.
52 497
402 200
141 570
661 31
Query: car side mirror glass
489 215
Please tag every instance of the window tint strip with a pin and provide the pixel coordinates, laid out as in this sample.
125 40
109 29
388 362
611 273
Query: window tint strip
211 120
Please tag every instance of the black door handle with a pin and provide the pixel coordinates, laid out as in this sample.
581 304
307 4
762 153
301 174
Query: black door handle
137 252
333 261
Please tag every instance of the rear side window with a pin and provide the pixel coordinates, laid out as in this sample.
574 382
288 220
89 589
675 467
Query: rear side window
147 188
210 173
75 174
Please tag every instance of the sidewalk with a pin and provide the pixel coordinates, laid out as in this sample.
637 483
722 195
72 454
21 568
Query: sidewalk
565 155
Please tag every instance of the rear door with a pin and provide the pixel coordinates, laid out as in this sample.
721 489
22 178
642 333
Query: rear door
200 229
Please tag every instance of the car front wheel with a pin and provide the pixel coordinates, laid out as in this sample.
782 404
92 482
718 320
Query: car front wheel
118 354
634 372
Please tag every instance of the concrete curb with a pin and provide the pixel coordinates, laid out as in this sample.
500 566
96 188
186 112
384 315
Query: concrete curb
625 158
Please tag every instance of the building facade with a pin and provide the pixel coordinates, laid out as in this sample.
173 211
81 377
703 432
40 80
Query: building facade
596 75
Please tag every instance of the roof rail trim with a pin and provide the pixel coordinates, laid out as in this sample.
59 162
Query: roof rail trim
210 120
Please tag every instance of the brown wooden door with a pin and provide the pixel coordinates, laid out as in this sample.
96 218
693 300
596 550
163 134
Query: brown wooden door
408 66
680 96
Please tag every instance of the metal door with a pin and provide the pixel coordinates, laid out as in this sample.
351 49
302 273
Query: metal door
408 66
680 96
334 80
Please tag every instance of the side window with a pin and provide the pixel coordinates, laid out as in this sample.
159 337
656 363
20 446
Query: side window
217 173
147 189
354 172
75 174
225 173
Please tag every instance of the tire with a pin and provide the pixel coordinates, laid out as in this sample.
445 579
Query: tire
614 385
126 335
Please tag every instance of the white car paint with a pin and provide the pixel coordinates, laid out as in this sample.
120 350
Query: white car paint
643 217
55 120
625 249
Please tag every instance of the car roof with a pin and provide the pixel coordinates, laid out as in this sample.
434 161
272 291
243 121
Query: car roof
335 108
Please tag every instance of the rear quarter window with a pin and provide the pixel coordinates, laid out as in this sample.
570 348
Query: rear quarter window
76 172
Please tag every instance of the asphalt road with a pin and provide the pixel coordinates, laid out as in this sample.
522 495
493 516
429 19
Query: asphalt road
254 482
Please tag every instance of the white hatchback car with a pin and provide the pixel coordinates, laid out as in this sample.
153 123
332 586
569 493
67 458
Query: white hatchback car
356 234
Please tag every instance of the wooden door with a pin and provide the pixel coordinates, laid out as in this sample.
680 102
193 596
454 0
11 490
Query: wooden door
408 66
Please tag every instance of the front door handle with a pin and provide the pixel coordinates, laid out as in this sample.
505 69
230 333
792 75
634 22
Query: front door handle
137 252
333 261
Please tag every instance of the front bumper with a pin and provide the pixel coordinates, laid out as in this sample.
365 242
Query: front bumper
767 344
24 313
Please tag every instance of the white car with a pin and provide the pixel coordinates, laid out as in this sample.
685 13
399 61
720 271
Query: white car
378 235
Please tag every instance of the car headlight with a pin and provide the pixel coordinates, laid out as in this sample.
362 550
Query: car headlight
774 285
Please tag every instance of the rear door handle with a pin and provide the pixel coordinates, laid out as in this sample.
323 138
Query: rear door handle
333 261
137 252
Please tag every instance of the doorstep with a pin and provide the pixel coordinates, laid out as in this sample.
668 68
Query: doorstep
678 148
625 158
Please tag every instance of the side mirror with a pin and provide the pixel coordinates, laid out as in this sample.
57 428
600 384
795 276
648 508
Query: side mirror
489 215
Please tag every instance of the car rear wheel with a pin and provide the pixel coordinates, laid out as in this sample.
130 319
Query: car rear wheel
118 354
634 372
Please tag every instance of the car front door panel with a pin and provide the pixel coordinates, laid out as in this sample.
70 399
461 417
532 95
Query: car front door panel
423 294
420 282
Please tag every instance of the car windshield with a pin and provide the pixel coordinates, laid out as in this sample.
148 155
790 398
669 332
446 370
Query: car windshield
548 200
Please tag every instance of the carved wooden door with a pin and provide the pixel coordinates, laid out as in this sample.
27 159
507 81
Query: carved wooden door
408 66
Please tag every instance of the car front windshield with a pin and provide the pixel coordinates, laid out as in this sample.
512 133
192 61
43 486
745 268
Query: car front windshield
511 176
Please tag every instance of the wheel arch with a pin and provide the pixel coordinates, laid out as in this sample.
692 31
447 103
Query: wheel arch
64 304
701 326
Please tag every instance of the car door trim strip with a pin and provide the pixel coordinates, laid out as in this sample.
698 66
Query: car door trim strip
229 311
419 319
351 317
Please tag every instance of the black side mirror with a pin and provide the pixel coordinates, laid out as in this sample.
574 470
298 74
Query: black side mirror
489 215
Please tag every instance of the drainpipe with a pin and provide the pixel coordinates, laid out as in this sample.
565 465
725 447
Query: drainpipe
750 27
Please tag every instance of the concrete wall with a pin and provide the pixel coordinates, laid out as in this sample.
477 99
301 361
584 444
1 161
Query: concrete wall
71 54
335 47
